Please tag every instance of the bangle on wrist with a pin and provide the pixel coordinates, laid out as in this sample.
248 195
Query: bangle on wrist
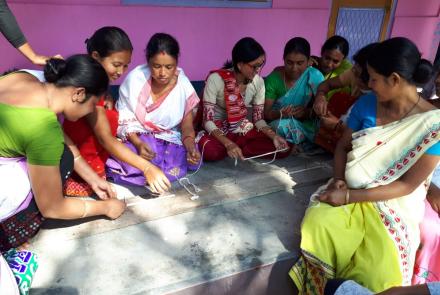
85 209
186 137
339 178
77 158
347 197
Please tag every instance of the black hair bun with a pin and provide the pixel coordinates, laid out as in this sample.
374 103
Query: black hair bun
54 69
423 72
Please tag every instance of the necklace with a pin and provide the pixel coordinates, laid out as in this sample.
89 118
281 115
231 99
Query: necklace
410 110
285 81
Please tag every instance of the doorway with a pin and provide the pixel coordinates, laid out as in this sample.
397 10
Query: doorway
361 22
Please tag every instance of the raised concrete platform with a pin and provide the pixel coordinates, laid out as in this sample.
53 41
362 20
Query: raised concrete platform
239 237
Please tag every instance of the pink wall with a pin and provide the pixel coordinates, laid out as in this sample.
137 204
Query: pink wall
206 35
418 21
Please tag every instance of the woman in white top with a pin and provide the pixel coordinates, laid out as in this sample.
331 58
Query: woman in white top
228 93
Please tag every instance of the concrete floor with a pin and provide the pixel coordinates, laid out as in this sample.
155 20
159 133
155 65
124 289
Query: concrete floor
234 239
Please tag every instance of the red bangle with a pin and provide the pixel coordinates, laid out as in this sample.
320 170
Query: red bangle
183 140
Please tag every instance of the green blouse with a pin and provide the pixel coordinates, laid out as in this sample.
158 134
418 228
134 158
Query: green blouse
34 133
345 65
275 87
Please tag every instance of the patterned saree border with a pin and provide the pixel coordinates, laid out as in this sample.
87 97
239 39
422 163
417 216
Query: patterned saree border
327 268
409 154
398 232
394 225
310 274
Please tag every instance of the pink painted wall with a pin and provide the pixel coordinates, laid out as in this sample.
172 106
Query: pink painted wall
418 21
206 35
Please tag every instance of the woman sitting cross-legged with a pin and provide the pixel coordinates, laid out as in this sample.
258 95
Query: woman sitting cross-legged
155 106
364 225
34 159
228 93
290 90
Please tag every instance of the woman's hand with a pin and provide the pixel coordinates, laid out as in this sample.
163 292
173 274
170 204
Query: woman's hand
334 197
234 151
320 105
192 155
287 111
279 142
156 179
115 208
337 184
145 151
299 112
103 189
329 121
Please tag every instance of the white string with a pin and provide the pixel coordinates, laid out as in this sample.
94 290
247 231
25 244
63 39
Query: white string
266 154
186 186
186 183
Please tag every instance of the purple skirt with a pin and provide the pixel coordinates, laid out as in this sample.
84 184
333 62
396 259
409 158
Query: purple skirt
170 158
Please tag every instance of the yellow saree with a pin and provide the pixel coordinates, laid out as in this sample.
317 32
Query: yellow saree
372 243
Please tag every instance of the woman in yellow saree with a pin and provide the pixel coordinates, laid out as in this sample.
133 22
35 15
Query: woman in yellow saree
364 224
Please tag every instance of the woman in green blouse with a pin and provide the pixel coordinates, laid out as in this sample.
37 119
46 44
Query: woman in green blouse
34 159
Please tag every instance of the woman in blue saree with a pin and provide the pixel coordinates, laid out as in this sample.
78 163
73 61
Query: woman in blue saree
290 90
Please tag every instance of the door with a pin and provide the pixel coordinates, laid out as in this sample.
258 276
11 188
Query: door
361 21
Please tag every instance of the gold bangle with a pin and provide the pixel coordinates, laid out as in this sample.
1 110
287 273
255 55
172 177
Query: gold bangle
347 196
85 209
77 158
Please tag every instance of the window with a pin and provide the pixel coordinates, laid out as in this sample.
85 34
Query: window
204 3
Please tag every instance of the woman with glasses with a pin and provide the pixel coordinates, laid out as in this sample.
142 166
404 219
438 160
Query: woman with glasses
289 94
228 93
